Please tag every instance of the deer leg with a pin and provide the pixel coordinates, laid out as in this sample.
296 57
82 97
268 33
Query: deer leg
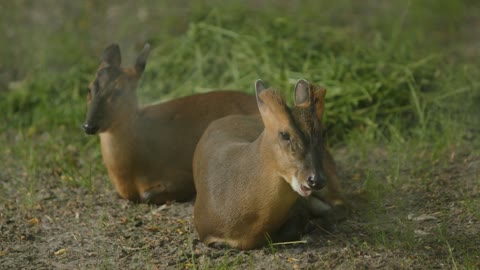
159 194
295 225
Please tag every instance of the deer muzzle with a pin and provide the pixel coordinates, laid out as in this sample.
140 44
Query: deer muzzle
316 181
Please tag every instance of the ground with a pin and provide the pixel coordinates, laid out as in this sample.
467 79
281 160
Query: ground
430 220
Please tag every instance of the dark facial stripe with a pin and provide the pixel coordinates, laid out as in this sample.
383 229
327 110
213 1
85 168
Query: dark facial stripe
308 131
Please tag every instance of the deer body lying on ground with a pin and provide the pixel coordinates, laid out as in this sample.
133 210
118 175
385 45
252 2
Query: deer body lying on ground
250 171
148 150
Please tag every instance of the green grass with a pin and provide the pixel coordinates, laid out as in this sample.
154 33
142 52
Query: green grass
402 98
375 82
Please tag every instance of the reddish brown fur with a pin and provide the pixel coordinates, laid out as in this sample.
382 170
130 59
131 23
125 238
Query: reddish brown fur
148 150
244 177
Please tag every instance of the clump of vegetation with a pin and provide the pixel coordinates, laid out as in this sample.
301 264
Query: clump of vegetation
369 84
381 82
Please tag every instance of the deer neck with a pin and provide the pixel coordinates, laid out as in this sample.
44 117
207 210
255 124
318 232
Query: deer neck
122 138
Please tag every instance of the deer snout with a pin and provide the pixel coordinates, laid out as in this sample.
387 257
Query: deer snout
90 129
316 181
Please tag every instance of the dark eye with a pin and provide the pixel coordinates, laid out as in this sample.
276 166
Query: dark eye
284 136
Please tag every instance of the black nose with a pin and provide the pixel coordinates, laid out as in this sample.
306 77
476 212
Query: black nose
316 181
90 129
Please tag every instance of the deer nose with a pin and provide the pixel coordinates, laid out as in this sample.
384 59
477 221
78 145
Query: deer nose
90 129
316 181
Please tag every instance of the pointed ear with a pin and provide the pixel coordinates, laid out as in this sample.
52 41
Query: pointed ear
111 55
273 109
259 88
142 59
319 100
302 93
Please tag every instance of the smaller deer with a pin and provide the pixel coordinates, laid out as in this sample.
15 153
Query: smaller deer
249 175
148 150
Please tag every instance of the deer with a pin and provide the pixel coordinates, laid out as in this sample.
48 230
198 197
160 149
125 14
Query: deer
253 173
148 150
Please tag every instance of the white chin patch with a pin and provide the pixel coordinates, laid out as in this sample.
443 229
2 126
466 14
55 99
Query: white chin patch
302 190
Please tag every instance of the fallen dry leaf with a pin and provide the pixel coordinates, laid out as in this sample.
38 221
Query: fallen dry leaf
34 221
60 251
292 260
153 229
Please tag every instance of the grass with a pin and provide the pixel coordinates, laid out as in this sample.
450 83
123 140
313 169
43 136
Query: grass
402 110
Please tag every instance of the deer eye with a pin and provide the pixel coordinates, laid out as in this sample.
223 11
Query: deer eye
284 136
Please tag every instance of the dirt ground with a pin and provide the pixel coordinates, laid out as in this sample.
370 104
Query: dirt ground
425 223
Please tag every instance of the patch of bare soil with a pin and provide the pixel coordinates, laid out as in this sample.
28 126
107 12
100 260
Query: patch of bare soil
430 221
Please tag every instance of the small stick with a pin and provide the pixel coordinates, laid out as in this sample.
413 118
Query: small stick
290 243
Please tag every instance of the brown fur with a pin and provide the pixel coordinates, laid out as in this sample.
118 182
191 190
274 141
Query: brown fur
243 172
148 150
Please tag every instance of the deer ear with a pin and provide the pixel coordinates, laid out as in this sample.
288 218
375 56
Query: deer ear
271 105
302 93
142 59
111 55
319 101
259 88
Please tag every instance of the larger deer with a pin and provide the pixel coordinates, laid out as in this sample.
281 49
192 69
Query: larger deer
148 150
249 173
